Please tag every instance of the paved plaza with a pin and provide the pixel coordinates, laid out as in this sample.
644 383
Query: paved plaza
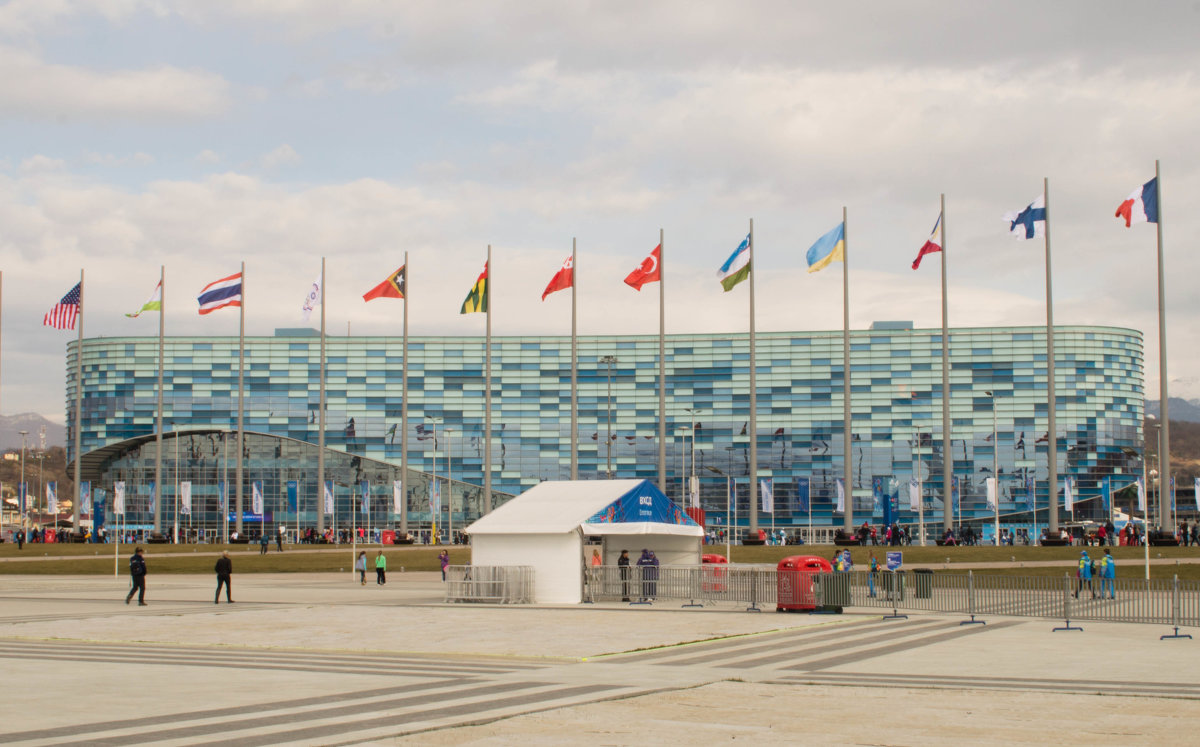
321 659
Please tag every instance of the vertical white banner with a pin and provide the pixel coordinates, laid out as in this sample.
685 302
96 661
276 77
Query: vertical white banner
1196 489
1142 494
694 492
397 496
85 496
256 497
329 497
185 498
119 497
841 496
52 497
1068 494
993 493
768 499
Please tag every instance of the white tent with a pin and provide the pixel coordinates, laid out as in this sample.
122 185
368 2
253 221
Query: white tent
546 527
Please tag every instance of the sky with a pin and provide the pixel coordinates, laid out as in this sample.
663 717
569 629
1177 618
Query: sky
196 135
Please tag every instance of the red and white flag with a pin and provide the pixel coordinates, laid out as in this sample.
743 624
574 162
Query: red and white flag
64 313
563 279
646 272
933 245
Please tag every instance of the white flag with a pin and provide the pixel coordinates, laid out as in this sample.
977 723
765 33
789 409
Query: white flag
841 497
312 299
119 498
694 492
914 494
397 496
85 496
993 494
329 497
185 498
1142 494
1068 495
1196 488
52 497
256 497
768 500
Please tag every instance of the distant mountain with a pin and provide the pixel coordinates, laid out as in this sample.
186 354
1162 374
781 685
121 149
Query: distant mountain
1187 410
12 425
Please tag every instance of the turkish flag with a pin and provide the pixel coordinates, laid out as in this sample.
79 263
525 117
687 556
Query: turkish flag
646 272
563 279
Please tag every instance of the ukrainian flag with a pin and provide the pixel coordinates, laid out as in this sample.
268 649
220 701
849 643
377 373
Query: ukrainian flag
829 248
477 299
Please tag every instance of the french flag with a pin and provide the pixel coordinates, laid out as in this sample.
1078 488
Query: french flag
1142 205
934 244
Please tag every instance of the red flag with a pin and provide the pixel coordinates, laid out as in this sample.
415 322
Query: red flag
646 272
393 287
563 279
934 244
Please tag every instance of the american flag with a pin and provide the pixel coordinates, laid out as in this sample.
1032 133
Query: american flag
63 315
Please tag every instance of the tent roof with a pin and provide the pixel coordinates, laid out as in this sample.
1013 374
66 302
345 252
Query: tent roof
561 506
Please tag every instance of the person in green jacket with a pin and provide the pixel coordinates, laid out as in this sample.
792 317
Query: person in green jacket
380 569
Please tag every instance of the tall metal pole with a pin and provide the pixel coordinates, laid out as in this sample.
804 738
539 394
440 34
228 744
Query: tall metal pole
662 366
574 374
175 520
158 419
753 528
487 396
920 489
609 360
1052 446
996 464
404 406
241 398
947 435
78 406
450 483
848 523
320 503
22 488
1164 433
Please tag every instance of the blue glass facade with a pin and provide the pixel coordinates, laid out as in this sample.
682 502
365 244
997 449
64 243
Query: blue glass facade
896 394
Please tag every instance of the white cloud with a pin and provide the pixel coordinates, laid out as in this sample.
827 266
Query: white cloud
281 156
39 163
33 88
208 156
112 159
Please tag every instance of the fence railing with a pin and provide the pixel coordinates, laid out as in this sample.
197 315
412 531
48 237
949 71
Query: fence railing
1162 601
509 584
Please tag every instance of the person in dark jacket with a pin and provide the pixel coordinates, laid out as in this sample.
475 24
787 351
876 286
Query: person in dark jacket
623 564
137 574
649 566
224 569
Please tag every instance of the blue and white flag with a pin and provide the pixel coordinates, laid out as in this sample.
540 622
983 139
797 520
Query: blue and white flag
397 496
914 494
768 499
1196 491
329 497
222 495
802 504
52 497
85 496
841 497
366 496
256 497
185 498
1141 494
1068 494
993 493
1030 222
119 497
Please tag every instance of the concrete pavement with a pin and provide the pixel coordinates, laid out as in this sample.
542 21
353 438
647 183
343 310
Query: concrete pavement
319 659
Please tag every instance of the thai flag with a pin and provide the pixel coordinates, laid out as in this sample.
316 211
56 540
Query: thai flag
221 293
1030 222
1142 205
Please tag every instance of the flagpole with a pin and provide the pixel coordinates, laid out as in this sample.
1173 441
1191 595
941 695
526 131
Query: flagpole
158 418
1 367
947 436
320 502
487 394
848 514
574 374
1052 446
662 367
753 528
404 407
1164 431
241 396
78 407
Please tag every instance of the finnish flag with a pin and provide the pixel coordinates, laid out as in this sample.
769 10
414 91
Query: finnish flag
1030 222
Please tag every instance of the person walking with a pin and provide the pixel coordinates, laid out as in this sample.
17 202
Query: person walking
873 571
19 533
444 559
224 570
380 569
360 565
279 538
137 575
262 543
1108 572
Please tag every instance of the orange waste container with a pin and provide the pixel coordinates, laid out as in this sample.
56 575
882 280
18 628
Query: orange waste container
795 574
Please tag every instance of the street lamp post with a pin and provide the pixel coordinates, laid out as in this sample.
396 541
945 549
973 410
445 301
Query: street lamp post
450 482
920 489
175 435
22 489
692 475
433 490
609 360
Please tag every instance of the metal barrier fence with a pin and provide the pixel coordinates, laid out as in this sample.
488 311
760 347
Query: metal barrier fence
496 584
1160 601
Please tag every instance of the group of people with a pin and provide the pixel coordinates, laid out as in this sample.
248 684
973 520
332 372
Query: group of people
1105 569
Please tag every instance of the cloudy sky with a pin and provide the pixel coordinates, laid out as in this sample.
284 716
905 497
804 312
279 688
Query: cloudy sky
198 134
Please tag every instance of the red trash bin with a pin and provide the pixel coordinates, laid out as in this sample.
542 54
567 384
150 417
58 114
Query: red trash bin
389 536
794 574
713 571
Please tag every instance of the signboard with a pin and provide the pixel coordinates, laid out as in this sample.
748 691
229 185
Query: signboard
894 560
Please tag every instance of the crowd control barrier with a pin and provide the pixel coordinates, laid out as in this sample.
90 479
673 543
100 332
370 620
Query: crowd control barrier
496 584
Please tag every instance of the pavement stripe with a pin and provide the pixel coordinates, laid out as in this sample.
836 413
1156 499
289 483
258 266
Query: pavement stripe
896 633
60 732
715 649
956 632
1161 689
